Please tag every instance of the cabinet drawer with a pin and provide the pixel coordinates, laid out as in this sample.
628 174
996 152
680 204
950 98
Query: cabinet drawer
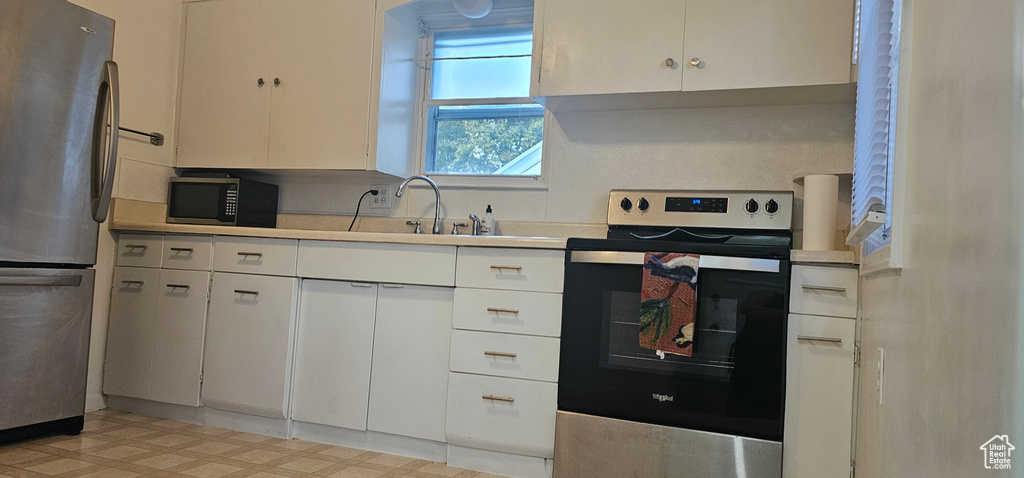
505 355
139 250
529 313
502 414
248 255
369 262
193 253
538 270
830 291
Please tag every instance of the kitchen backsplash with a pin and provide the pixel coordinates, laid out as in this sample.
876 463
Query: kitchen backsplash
590 153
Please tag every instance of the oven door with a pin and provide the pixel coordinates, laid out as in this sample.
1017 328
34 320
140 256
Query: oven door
733 383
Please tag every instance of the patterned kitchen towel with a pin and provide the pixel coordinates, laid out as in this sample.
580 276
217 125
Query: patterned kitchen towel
668 302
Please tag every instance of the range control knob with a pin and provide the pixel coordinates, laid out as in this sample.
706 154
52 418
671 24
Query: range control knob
626 204
751 206
771 207
643 204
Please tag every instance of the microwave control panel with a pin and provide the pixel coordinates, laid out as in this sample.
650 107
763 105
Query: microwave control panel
724 209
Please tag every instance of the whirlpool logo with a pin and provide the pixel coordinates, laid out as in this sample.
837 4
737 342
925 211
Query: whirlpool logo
663 398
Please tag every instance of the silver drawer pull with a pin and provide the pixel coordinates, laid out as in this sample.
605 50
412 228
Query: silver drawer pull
361 285
498 399
499 310
179 286
246 254
133 282
503 267
136 246
247 292
500 354
392 286
183 249
824 288
811 338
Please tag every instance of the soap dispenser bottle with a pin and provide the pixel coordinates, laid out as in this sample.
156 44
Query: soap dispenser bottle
488 227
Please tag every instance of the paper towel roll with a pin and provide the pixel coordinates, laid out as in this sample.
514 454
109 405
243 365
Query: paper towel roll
821 192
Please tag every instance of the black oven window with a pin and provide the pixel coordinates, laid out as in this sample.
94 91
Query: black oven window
193 200
739 324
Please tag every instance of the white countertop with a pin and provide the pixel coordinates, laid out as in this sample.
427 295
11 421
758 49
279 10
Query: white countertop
384 237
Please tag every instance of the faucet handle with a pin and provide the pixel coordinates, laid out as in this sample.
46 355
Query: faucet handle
414 223
457 225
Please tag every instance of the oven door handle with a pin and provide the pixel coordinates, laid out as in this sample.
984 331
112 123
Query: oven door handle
706 262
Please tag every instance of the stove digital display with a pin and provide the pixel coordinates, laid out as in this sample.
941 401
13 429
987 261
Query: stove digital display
719 205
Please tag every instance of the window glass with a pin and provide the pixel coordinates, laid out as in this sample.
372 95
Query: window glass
503 137
487 139
484 77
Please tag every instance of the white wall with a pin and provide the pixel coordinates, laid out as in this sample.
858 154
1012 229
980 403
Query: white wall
951 322
146 49
591 153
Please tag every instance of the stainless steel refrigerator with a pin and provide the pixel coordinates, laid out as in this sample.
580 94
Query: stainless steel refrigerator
58 144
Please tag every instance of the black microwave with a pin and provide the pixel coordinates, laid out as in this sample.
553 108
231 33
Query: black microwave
222 202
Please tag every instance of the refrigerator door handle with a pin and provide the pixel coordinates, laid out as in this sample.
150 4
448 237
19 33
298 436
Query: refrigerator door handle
103 176
41 280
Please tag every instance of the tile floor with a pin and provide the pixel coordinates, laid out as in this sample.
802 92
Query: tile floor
122 445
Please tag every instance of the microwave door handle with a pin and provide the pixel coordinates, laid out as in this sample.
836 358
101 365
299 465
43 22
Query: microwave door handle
706 262
103 177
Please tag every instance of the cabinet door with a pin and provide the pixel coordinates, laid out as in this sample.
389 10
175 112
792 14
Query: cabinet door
322 55
409 380
178 337
130 332
617 47
334 345
819 397
248 343
766 43
224 118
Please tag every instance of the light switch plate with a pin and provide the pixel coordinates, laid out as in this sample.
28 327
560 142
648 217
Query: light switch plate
383 199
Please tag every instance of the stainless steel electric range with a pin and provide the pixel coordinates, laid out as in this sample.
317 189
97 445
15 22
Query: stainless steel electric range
625 410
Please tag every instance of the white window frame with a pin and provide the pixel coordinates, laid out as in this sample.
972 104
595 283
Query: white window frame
889 257
471 181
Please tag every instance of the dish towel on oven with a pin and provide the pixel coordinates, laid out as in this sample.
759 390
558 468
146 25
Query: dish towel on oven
668 302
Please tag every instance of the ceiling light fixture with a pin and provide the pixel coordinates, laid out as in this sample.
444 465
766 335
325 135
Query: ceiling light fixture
473 8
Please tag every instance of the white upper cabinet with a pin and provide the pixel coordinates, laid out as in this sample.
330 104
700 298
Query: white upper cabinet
766 43
322 57
662 46
617 47
275 84
224 119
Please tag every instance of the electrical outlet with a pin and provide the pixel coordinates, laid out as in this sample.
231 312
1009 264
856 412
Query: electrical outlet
383 199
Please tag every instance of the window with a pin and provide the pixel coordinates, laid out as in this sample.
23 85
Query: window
875 130
480 118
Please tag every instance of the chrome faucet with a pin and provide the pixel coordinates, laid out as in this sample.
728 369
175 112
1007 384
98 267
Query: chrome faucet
476 223
437 194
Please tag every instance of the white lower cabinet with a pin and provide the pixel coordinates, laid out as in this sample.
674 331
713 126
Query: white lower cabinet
333 349
409 379
247 362
178 339
502 414
155 335
130 332
819 397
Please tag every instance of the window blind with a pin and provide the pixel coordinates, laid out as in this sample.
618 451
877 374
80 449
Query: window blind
876 107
